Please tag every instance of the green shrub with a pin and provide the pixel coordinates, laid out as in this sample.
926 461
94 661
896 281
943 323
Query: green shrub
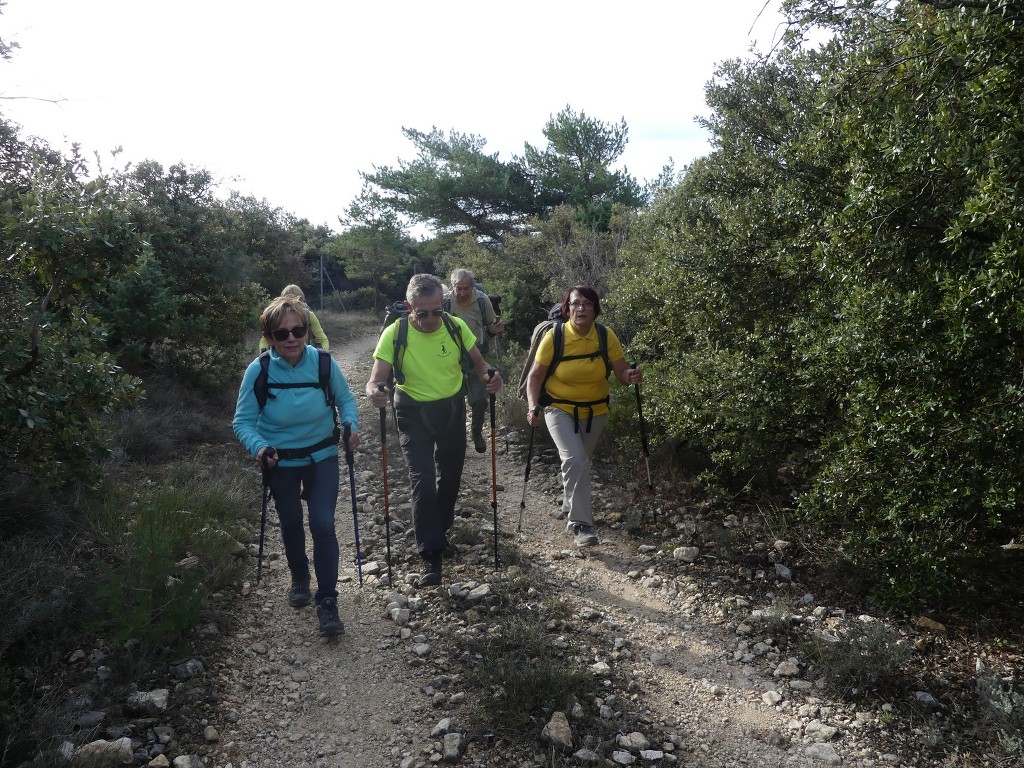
519 675
165 546
862 655
1002 705
349 301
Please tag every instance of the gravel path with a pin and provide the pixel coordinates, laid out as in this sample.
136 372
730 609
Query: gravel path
703 690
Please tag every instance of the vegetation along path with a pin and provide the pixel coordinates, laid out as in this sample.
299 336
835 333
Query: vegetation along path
637 651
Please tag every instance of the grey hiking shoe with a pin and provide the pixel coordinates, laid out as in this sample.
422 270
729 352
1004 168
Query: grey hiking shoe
299 594
584 534
327 613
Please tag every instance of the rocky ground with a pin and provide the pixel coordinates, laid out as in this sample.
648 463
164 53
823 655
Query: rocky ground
697 659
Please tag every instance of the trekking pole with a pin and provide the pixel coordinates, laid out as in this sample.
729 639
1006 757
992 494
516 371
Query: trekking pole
494 469
351 460
269 453
643 439
384 463
526 477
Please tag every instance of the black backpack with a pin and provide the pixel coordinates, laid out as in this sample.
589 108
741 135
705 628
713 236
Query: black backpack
392 312
262 386
556 323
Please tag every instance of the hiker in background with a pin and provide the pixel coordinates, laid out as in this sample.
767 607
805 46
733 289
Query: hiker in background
575 399
474 307
430 408
315 329
301 423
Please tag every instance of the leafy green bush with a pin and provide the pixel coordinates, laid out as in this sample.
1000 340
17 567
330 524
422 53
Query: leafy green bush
360 298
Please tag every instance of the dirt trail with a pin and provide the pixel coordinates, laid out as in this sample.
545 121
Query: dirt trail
375 697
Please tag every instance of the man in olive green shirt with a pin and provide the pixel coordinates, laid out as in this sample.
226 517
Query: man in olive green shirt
473 306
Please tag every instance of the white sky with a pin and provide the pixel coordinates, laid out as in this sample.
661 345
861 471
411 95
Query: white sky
289 100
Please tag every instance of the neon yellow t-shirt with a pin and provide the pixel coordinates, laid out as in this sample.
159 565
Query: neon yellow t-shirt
431 362
582 381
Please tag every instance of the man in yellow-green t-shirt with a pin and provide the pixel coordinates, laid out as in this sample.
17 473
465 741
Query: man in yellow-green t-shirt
430 408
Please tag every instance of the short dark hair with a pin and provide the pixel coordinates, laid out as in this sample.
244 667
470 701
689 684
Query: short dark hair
587 293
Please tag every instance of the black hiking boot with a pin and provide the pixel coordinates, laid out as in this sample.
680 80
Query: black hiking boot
477 428
299 594
478 441
327 613
432 570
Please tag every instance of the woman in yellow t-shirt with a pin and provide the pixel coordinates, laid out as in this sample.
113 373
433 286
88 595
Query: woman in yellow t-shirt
575 399
315 329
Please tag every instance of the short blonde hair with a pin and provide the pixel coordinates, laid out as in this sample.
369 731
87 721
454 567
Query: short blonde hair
295 291
273 315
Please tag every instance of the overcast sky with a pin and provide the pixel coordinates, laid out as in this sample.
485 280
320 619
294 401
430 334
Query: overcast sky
290 100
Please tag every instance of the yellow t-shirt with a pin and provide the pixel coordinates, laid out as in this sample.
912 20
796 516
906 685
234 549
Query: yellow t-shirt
584 380
431 362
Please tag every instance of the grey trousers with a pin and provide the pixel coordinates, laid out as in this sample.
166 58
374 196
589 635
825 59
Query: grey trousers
575 449
476 395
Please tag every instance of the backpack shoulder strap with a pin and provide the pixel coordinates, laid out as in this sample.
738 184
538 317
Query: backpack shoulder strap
324 370
260 387
558 339
446 305
401 340
602 340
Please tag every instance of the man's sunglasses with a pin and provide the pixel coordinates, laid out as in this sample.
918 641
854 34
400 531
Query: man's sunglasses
282 333
422 313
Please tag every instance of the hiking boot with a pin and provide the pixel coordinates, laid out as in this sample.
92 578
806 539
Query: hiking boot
585 536
299 594
432 570
478 441
327 613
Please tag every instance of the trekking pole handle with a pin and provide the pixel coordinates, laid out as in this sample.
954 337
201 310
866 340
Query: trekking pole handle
269 452
346 434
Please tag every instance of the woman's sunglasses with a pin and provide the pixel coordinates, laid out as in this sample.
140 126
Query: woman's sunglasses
282 333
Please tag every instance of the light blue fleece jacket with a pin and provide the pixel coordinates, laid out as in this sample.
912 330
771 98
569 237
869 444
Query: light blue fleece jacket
293 418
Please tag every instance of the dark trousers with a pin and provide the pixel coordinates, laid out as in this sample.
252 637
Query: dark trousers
433 439
318 484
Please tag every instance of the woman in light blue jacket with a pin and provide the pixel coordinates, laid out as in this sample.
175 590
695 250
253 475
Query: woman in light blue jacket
287 403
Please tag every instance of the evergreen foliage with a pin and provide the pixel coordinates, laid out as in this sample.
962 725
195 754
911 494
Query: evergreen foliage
839 284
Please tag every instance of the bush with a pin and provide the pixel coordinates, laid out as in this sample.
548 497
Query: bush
348 301
1002 705
165 545
519 674
860 656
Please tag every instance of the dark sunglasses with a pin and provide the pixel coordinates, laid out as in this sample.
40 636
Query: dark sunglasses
422 313
282 333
